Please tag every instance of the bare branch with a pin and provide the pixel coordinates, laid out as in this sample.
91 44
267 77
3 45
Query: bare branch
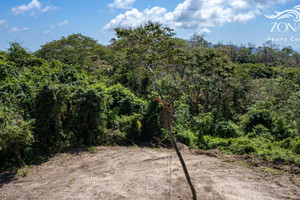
155 83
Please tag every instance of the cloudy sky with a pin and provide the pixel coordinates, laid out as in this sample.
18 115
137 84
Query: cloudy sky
35 22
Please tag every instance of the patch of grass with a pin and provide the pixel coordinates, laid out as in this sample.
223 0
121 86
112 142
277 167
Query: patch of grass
156 149
92 149
298 178
244 163
132 146
71 181
285 151
225 159
223 164
24 171
270 170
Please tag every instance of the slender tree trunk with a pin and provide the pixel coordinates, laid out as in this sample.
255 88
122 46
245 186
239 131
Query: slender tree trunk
183 164
168 116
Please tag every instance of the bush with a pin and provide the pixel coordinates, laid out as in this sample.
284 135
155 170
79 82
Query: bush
125 101
130 127
53 114
260 131
151 127
258 116
226 129
296 146
15 135
210 142
90 114
241 146
267 120
205 124
186 137
291 143
281 129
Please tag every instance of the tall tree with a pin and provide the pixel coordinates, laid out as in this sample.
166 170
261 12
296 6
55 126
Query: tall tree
149 47
75 49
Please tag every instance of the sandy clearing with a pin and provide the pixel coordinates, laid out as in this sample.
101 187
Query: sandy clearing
144 173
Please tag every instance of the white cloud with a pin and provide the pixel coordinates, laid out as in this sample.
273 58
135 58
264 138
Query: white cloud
48 31
195 14
49 8
122 4
134 18
204 31
16 29
2 22
33 7
63 22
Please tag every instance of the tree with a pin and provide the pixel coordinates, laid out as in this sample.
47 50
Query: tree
197 40
149 47
17 54
232 52
211 86
245 55
267 53
150 44
75 49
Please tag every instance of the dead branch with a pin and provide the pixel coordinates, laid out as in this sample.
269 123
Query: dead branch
155 83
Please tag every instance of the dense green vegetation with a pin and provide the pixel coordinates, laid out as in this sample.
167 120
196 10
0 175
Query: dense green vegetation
75 92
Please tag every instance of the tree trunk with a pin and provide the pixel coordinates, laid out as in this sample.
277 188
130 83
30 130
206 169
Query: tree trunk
183 164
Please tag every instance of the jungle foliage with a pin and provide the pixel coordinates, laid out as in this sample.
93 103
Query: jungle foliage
75 92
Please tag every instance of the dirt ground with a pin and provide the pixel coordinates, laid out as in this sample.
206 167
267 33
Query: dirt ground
145 173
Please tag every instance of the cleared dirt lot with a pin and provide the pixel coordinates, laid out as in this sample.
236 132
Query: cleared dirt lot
145 173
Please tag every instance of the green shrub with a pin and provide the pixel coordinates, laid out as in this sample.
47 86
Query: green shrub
15 135
291 143
151 127
115 137
296 147
125 100
267 120
241 146
281 129
211 142
53 114
130 126
186 137
205 124
90 114
226 129
260 131
260 116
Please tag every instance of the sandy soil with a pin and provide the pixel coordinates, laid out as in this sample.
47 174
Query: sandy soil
145 173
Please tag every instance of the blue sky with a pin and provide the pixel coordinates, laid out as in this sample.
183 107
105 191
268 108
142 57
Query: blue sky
36 22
